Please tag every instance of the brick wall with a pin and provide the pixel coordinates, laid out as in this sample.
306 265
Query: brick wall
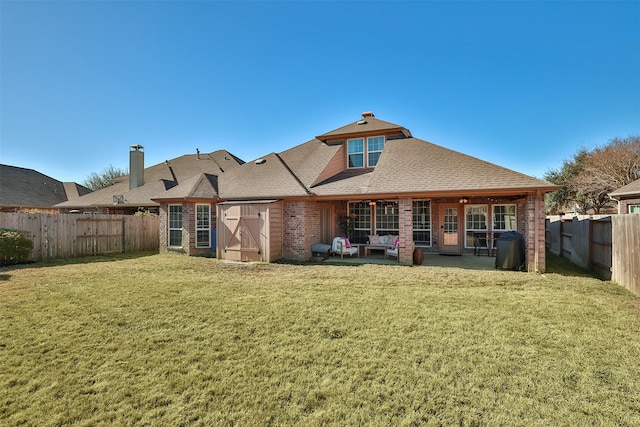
188 229
535 234
163 213
623 206
301 229
405 253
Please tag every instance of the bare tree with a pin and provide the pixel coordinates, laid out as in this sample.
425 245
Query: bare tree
96 181
592 175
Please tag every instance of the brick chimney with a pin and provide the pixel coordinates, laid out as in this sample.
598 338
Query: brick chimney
136 166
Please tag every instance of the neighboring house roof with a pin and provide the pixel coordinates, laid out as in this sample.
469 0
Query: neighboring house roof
21 187
157 180
407 165
629 190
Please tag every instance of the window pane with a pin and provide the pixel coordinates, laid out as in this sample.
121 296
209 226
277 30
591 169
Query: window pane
475 223
202 239
422 222
504 217
634 209
203 220
387 218
175 237
355 148
175 225
360 214
376 143
356 160
356 145
373 158
374 149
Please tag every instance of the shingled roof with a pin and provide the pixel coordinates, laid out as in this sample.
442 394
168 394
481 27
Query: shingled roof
368 124
28 188
632 189
202 186
407 166
157 180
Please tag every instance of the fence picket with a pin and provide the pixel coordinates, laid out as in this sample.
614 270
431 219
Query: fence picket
71 235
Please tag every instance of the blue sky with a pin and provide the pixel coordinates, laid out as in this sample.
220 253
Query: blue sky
520 84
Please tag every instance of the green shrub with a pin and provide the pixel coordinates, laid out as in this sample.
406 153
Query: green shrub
15 246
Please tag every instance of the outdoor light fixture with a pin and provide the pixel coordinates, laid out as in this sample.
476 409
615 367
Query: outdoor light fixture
464 200
372 203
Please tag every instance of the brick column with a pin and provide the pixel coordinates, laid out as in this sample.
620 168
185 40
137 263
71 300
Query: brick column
535 234
405 253
164 225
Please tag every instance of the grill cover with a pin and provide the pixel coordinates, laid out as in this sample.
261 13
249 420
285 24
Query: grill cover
510 254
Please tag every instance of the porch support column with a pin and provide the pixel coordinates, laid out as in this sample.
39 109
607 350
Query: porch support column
405 252
536 261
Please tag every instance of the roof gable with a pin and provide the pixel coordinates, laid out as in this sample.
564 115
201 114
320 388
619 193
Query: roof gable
202 186
632 189
267 175
368 125
158 179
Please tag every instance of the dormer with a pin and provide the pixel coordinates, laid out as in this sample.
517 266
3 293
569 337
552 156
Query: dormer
361 144
364 140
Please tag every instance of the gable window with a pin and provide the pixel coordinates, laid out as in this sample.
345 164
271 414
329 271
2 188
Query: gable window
374 149
355 147
358 152
175 226
422 222
504 218
203 226
475 224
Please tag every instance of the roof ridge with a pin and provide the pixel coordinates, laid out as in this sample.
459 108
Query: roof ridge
293 174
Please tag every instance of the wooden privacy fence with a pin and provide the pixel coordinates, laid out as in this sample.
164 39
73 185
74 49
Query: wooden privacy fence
585 240
626 251
72 235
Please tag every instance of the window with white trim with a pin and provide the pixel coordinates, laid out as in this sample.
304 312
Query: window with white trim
361 154
387 217
355 149
475 224
203 226
175 226
634 209
360 215
422 222
375 145
504 218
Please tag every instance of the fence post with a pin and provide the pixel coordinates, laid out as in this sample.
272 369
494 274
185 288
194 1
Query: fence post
561 234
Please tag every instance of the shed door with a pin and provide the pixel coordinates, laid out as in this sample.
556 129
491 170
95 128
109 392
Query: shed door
242 243
449 229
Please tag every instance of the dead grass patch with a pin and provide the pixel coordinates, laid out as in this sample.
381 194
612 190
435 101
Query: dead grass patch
190 341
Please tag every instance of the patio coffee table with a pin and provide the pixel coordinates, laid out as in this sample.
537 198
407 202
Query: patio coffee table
369 248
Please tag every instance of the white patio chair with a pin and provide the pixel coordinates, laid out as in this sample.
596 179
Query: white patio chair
340 247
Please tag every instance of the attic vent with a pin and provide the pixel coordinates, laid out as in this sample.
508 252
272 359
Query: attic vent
260 161
361 122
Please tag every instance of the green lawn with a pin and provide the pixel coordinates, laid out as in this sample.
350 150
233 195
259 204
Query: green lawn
176 340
